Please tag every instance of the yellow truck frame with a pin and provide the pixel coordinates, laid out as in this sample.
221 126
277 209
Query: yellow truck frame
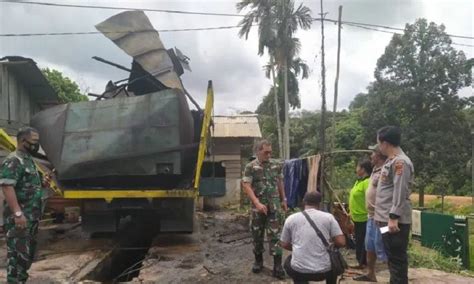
109 194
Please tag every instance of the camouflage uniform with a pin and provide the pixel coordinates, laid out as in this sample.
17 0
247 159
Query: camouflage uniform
19 171
263 179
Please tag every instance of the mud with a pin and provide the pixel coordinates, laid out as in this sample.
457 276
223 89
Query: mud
220 251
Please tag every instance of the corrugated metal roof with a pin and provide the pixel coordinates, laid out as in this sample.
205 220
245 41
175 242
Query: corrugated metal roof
31 77
237 126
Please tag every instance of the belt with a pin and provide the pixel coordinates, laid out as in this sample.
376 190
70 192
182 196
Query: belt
381 224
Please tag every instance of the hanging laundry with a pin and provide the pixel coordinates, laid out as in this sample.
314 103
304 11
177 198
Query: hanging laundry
295 173
313 166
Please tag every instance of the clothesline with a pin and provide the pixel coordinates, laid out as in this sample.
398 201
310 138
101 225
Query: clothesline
301 175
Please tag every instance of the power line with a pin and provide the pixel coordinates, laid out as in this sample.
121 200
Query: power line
362 25
199 13
179 30
115 32
122 8
395 33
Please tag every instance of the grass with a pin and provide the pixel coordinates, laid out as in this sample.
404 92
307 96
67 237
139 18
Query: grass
448 208
419 256
471 251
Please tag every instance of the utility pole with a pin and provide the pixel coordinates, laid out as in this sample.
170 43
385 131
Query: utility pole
322 129
336 85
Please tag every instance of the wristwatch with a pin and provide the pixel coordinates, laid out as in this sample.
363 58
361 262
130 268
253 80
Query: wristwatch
18 214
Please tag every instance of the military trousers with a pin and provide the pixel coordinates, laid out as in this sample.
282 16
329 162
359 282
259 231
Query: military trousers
21 249
272 225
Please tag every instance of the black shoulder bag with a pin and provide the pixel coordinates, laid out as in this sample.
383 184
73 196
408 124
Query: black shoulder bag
338 263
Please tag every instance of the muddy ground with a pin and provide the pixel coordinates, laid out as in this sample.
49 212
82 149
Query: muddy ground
220 251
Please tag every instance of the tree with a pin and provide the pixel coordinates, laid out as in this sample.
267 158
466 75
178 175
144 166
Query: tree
297 68
261 12
277 22
286 47
66 89
417 80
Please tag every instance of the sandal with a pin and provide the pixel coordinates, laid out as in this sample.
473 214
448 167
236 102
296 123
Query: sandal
364 278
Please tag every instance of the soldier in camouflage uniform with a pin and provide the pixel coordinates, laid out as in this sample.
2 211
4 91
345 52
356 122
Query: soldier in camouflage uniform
22 186
263 183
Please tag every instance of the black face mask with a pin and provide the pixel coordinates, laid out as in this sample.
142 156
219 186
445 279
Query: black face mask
32 147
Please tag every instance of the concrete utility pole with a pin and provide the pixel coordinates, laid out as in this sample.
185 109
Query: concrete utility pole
322 129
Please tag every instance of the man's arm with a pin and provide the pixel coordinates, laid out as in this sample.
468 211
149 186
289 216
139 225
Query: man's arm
285 237
336 234
10 198
281 193
9 176
339 241
286 245
247 179
249 192
401 178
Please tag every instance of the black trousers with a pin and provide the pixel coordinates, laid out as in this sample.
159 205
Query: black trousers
360 229
396 246
302 278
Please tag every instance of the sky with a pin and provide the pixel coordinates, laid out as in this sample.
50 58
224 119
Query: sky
232 63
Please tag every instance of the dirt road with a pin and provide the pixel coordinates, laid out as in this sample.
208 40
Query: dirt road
220 251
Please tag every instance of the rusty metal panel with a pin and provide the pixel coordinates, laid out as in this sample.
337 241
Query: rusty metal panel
130 136
134 34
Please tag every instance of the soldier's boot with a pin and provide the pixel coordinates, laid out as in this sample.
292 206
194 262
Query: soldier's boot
278 271
258 264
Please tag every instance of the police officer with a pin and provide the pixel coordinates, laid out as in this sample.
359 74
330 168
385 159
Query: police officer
22 187
263 183
392 202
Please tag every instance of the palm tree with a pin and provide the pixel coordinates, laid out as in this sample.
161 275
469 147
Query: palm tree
286 47
262 13
296 69
278 21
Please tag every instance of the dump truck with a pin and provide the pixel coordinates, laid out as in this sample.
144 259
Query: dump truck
138 148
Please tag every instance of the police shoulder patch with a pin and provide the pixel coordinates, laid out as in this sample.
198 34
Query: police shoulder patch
399 167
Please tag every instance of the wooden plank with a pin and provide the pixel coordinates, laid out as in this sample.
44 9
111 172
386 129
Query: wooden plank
235 237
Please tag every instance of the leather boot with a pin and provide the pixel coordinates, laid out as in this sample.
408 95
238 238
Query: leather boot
278 271
258 264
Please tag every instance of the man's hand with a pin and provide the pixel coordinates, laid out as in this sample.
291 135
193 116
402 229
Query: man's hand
47 181
393 226
261 208
284 206
20 222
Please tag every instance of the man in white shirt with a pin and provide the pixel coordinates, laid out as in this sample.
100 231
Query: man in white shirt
310 260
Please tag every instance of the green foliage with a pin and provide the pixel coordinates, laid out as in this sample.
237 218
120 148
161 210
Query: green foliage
432 259
67 90
268 127
417 81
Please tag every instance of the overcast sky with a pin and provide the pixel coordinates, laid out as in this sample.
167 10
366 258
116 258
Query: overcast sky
220 55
